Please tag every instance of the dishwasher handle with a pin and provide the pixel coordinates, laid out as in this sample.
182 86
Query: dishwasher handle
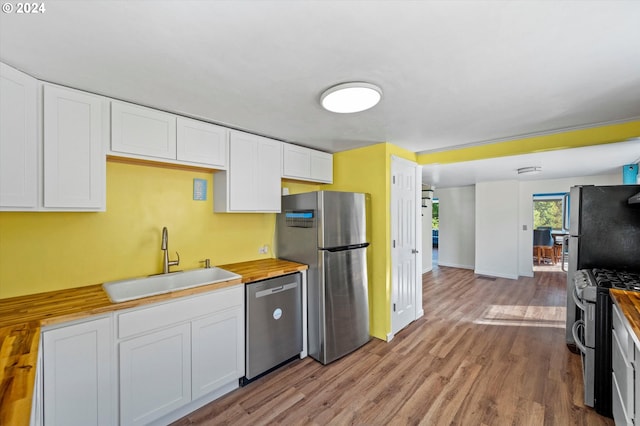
276 290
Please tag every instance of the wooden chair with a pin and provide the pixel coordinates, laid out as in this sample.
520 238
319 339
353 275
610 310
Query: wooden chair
543 245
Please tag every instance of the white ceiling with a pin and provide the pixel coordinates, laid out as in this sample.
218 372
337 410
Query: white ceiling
453 73
584 161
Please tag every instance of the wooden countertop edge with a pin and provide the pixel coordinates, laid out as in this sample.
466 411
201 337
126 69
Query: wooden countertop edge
119 306
18 358
629 304
19 342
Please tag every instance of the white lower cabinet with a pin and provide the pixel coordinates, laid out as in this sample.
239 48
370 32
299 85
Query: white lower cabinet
179 355
218 351
147 365
78 375
624 355
155 375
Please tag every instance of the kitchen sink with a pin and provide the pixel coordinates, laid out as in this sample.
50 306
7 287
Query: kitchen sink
137 288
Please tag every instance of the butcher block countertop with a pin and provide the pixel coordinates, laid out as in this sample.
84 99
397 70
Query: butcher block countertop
22 317
629 304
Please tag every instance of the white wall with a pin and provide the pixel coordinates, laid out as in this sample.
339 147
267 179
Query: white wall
457 226
481 227
497 229
525 219
427 240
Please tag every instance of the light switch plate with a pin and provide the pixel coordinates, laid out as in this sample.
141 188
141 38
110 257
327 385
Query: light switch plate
200 189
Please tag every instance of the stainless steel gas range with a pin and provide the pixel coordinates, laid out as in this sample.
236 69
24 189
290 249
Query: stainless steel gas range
592 329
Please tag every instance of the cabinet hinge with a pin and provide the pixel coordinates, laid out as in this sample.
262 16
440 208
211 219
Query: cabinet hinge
394 243
394 179
394 307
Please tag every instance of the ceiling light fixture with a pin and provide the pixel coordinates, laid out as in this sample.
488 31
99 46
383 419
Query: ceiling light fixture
351 97
529 170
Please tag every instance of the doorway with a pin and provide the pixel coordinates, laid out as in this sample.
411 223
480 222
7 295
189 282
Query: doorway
435 231
550 212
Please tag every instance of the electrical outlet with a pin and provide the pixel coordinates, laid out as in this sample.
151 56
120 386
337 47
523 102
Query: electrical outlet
264 249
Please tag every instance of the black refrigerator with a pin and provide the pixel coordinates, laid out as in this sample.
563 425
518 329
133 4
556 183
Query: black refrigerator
604 232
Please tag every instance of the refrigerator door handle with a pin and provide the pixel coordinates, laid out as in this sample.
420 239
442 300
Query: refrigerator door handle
349 247
565 245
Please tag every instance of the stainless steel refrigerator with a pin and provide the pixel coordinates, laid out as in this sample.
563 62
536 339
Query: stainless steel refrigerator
604 232
327 230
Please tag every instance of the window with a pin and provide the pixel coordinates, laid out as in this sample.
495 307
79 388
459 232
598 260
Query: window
435 222
548 210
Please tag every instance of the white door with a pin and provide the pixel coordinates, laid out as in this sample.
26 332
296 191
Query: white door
406 243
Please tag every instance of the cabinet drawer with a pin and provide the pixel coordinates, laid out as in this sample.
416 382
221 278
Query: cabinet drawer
620 330
622 373
164 314
620 413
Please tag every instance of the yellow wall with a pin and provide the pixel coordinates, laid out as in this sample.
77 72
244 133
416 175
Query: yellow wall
367 170
50 251
570 139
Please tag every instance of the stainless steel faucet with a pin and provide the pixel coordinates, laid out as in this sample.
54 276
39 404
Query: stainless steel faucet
166 264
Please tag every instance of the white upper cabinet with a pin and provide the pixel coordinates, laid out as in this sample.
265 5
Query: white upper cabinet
142 131
18 140
296 161
252 183
306 164
75 128
321 167
202 143
153 135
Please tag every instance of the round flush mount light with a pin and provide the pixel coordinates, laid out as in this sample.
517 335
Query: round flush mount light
529 170
350 97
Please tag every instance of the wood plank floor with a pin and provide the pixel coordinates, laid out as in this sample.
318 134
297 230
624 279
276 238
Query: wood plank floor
487 352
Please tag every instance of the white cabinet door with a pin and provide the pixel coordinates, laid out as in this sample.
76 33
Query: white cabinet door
78 374
321 166
252 183
155 374
269 166
142 131
202 143
306 164
74 154
18 140
636 385
296 161
218 350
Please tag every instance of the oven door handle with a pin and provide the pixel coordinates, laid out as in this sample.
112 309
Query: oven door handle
574 331
577 300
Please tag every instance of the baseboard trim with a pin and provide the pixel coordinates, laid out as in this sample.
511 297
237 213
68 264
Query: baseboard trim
495 274
456 265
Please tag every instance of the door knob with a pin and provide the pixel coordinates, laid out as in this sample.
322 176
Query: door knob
414 251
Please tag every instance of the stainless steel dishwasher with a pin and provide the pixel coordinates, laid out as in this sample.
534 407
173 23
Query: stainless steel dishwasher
273 314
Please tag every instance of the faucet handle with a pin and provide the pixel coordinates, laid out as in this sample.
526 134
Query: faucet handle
174 262
207 263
